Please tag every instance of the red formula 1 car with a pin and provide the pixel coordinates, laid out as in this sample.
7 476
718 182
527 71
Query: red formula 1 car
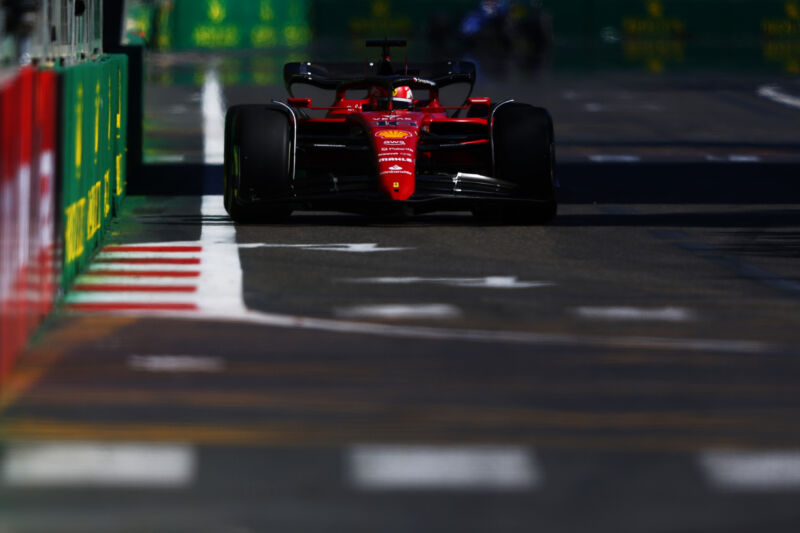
387 145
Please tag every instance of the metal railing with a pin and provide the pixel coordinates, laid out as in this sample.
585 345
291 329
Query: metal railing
66 31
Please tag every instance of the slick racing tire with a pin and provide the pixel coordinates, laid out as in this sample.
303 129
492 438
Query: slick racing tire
524 153
258 159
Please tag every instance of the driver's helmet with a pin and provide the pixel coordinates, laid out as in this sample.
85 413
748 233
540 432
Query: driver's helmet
402 98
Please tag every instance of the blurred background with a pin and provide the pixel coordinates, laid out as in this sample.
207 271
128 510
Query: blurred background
663 79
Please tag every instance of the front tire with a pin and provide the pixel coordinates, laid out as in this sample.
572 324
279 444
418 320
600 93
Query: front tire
257 168
524 153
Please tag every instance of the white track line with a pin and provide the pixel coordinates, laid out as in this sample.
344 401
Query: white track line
773 93
220 288
355 248
443 468
105 255
123 267
221 285
76 464
489 282
468 335
134 281
663 314
213 119
400 312
752 470
601 158
176 363
129 297
734 158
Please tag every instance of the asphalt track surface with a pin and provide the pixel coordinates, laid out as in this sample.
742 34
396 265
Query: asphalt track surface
632 367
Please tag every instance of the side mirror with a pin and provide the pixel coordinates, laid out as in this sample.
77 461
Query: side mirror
300 103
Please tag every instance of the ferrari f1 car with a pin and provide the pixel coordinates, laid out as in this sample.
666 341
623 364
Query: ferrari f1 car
387 145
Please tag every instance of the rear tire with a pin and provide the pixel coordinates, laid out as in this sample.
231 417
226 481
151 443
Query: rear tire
257 170
524 153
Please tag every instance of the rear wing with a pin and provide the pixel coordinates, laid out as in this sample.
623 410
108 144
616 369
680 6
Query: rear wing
330 76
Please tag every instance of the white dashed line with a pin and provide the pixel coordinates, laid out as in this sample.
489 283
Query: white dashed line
734 158
773 93
443 468
663 314
357 248
489 282
76 464
752 470
601 158
400 312
176 363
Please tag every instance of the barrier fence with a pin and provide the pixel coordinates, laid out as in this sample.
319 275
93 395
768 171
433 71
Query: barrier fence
62 176
27 208
92 159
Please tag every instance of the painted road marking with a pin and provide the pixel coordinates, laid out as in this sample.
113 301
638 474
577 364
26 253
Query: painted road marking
213 107
376 467
147 261
154 249
220 286
357 248
734 158
128 287
176 363
752 470
489 282
128 297
400 311
94 464
146 273
132 282
106 255
136 267
139 278
529 338
776 95
148 308
220 299
601 158
662 314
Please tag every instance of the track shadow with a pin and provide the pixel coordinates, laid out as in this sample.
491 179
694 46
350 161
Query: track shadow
613 183
680 183
739 218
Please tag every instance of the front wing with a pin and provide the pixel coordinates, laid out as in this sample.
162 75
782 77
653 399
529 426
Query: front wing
433 192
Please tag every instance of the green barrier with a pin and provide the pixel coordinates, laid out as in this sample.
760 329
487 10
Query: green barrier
94 118
660 34
232 24
656 35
